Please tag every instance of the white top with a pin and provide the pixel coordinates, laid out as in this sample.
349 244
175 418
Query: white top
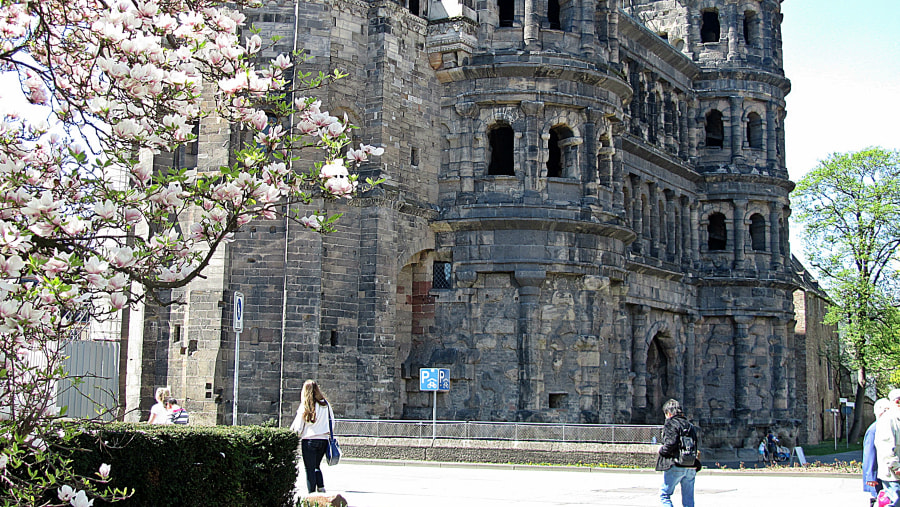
162 415
318 429
887 444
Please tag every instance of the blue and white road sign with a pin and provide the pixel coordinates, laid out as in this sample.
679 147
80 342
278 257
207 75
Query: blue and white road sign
238 312
434 379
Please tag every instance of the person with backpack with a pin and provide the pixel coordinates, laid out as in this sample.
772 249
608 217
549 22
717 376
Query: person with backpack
679 457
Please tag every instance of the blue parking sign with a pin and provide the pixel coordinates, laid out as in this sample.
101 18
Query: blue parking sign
434 379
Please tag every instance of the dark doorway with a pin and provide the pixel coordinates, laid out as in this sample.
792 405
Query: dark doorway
718 232
507 10
501 139
709 29
657 382
715 129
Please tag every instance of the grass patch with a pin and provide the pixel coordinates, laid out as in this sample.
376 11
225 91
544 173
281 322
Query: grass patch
827 447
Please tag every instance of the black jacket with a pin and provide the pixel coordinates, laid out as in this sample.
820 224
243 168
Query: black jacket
670 445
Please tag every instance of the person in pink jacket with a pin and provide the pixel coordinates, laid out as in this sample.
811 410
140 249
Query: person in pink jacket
311 423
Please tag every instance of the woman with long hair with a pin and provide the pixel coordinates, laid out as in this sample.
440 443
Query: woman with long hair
158 412
312 423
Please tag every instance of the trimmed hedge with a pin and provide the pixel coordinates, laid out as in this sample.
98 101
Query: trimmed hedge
193 465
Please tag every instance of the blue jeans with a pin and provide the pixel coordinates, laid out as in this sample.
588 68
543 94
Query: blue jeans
313 449
671 478
895 487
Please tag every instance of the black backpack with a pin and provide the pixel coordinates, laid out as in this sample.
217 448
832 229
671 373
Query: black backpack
687 447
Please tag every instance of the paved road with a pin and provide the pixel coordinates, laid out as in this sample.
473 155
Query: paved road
408 484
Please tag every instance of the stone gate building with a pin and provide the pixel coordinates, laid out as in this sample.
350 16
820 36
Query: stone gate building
585 213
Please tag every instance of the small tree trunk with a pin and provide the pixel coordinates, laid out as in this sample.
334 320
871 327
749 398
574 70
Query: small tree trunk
860 399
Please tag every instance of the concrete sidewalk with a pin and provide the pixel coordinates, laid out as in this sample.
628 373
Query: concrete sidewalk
420 484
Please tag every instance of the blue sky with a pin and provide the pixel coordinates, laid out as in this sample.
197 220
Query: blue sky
843 60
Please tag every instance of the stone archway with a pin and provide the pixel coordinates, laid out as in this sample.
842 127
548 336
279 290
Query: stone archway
658 385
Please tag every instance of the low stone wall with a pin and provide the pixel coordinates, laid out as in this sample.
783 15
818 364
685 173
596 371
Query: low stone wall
496 451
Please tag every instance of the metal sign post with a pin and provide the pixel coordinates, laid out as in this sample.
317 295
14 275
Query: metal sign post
834 418
848 411
434 379
238 326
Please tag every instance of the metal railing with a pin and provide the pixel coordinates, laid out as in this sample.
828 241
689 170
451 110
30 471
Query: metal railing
510 431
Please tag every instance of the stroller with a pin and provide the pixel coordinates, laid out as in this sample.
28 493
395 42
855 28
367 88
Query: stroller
782 453
771 450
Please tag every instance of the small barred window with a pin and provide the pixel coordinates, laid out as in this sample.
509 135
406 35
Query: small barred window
441 278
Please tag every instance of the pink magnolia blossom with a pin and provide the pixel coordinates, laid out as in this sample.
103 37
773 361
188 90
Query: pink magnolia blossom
105 210
56 265
123 257
11 266
45 205
313 221
81 500
66 493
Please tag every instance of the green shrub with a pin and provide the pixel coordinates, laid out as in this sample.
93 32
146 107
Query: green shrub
193 465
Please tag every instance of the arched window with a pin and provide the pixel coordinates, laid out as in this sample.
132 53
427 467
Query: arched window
553 14
709 28
560 152
715 130
751 25
754 131
501 139
757 232
507 11
718 232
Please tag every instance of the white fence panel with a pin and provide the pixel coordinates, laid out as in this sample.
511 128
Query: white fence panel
96 363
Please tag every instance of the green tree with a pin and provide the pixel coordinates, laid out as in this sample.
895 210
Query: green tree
849 206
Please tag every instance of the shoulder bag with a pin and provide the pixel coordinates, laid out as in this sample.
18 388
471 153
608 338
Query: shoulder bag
333 451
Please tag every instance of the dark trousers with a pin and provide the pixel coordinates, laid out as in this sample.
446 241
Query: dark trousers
313 450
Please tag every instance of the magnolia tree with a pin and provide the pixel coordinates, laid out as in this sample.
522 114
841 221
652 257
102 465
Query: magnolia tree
85 218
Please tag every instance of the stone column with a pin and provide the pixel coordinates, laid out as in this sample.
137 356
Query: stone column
671 236
742 366
529 381
686 226
467 112
683 130
639 316
655 232
693 372
765 39
637 215
695 232
775 235
740 232
737 113
587 28
786 234
779 138
693 129
590 170
613 30
770 138
670 126
602 30
616 166
534 111
790 374
780 354
729 18
694 40
532 26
